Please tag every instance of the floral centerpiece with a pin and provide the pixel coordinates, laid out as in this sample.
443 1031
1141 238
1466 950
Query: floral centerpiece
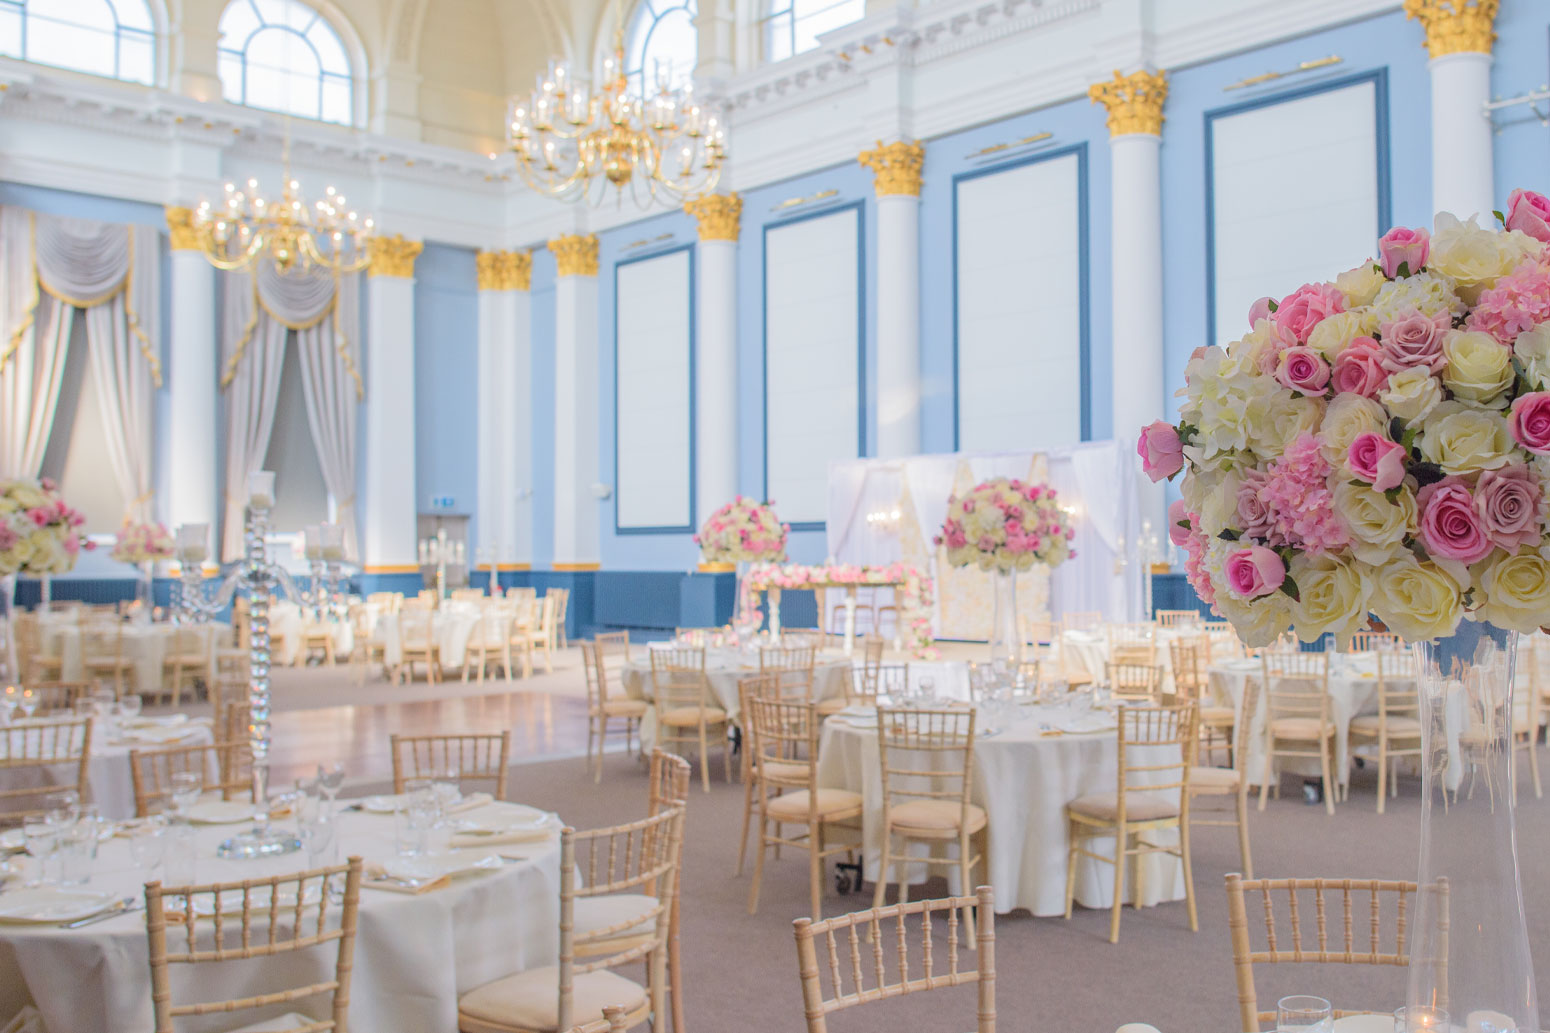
143 543
1006 526
39 532
742 531
915 593
1380 444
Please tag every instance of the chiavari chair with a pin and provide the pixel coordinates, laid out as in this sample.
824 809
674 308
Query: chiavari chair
1297 721
785 736
1222 641
537 633
35 664
385 602
856 961
793 667
640 857
417 643
1376 641
316 642
477 757
102 652
1231 784
1189 658
1333 910
489 641
42 757
614 1020
749 688
233 718
602 659
188 657
231 677
686 711
558 638
670 778
468 595
1133 682
927 759
1153 796
1396 728
224 768
1081 620
365 648
1177 618
254 921
60 697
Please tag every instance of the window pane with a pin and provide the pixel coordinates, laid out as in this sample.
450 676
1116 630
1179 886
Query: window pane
10 30
238 22
299 17
282 55
136 58
815 17
672 50
330 50
132 14
777 37
230 71
74 34
271 12
336 100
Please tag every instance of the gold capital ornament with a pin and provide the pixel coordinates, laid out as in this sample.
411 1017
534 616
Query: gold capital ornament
392 256
180 226
505 270
575 255
895 168
1456 26
717 214
1134 102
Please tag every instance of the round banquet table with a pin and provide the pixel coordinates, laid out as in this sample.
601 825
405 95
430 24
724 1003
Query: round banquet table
1092 649
287 622
414 954
145 647
1024 776
451 624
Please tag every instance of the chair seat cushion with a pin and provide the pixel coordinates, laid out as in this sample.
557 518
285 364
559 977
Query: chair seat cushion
1216 716
832 803
1300 728
1370 724
935 816
279 1024
1213 779
681 717
830 707
625 707
784 770
531 1000
1138 806
612 910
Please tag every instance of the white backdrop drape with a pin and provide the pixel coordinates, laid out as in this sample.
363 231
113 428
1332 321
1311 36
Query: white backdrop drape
261 310
112 271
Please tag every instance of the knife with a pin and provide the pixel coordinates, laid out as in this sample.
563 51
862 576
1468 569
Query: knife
123 907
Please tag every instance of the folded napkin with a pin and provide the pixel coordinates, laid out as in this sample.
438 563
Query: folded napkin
378 878
492 837
154 734
156 721
470 802
1081 724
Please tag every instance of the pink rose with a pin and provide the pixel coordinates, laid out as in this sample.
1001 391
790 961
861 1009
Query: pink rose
986 543
1307 307
1259 310
1450 527
1529 421
1161 451
1404 247
1359 368
1530 213
1303 369
1377 460
1508 501
1414 340
1256 518
1254 572
1178 514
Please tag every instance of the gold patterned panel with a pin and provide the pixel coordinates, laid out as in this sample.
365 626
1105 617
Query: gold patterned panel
180 225
1134 102
896 168
575 255
717 214
505 270
1456 26
392 256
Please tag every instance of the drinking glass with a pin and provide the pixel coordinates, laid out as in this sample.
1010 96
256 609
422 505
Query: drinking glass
28 703
129 707
77 849
62 808
148 843
330 780
7 709
1420 1019
42 841
318 836
1304 1014
448 784
186 786
179 857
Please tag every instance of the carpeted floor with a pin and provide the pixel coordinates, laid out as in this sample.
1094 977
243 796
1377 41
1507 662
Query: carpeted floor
740 970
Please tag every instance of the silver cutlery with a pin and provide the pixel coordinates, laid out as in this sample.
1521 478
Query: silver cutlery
123 907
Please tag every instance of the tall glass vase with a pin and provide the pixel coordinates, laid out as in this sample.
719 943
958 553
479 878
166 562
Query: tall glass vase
144 598
1469 952
1006 641
13 671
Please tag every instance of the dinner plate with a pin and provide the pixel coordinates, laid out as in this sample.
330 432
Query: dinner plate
381 804
220 812
49 905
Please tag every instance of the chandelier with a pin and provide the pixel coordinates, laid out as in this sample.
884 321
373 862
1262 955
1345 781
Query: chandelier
247 228
572 142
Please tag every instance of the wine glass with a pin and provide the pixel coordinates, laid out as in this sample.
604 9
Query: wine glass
129 707
42 841
330 780
63 808
148 842
186 787
28 703
1302 1013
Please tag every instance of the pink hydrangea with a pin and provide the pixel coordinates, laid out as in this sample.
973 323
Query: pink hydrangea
1301 504
1518 302
1194 561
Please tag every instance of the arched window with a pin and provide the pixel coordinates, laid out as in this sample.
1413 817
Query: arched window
283 55
793 26
115 38
662 46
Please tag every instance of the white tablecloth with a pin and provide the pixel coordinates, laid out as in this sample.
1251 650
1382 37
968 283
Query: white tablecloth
413 954
724 668
452 625
1091 649
1023 778
145 647
287 622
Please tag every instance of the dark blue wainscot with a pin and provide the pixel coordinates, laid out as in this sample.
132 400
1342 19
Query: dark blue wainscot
1173 592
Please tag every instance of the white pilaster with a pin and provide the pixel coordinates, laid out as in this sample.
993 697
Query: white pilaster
1462 169
191 381
576 544
505 463
715 438
389 506
898 325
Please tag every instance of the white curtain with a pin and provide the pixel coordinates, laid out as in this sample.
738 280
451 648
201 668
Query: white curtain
331 384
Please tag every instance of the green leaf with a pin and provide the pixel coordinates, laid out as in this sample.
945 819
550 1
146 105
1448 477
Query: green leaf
1499 217
1273 305
1403 270
1407 440
1187 432
1396 428
1426 473
1357 482
1230 535
1186 524
1392 494
1289 587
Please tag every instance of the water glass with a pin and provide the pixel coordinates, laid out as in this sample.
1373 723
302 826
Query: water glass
28 702
320 839
179 866
63 808
1420 1019
1304 1014
129 707
449 785
148 843
42 841
330 780
77 849
186 788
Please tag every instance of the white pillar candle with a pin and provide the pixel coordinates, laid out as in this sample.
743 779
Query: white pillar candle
331 542
193 543
311 542
261 489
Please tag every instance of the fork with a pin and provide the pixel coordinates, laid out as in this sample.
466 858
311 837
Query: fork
123 907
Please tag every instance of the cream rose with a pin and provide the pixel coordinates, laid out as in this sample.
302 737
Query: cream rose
1416 600
1378 526
1463 440
27 496
1411 394
1479 368
1260 622
1427 293
1331 597
1218 506
1279 419
1345 419
1330 337
1360 285
1514 590
1474 257
1532 349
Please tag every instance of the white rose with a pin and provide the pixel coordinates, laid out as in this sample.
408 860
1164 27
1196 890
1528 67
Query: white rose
1532 349
1474 257
1330 337
1279 419
1479 368
1463 440
1418 601
1378 526
1360 285
1411 394
1513 590
1259 622
1428 293
1218 507
1331 597
1348 417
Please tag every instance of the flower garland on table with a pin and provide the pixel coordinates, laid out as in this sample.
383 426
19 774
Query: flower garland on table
39 533
743 531
1381 442
916 594
143 543
1006 525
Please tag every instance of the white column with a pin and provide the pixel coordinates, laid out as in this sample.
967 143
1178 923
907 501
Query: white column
897 169
192 429
1462 169
388 506
715 383
576 545
517 427
504 401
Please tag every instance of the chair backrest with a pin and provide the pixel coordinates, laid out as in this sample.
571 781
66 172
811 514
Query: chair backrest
697 638
1331 910
670 777
639 857
233 718
1041 633
786 731
1371 641
1132 635
853 952
224 767
891 680
253 920
1178 618
103 640
59 697
1296 684
1133 681
45 757
1398 680
477 757
1222 641
1189 657
794 667
926 755
387 602
468 594
1155 749
678 677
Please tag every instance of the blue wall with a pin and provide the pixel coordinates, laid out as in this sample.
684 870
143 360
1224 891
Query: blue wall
446 375
1522 63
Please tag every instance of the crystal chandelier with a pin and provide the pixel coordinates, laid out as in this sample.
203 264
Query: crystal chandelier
247 228
573 142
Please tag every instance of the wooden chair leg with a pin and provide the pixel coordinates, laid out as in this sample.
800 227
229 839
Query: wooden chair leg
815 868
965 880
1071 856
1120 839
758 861
1246 858
880 887
675 972
1533 764
1331 785
1383 771
1189 878
742 844
704 760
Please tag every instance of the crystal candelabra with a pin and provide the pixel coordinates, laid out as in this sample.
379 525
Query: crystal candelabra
323 546
1144 551
260 578
438 552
